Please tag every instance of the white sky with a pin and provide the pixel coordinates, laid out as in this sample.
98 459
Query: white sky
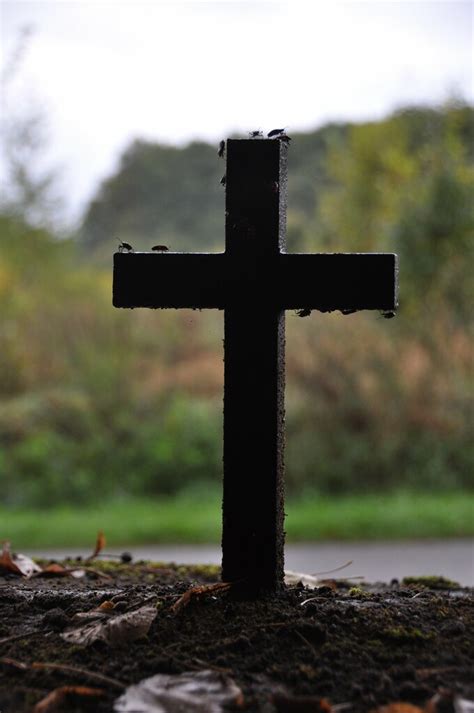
108 72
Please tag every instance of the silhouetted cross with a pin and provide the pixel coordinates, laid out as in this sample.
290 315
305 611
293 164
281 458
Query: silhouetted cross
254 281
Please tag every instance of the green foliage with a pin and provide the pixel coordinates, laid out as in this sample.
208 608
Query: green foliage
99 403
406 185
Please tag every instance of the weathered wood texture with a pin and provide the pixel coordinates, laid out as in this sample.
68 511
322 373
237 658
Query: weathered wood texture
255 281
319 281
254 367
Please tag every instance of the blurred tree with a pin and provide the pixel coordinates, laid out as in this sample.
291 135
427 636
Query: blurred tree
172 196
405 185
159 194
96 402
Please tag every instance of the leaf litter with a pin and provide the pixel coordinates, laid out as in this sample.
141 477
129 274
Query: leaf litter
330 652
17 564
23 566
115 630
190 692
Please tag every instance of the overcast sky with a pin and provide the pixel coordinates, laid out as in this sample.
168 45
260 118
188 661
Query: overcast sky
107 72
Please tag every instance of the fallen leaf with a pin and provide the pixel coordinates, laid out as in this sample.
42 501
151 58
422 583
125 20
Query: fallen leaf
103 611
434 705
445 699
55 698
26 565
6 562
309 580
106 606
115 631
17 564
54 569
99 545
194 692
313 581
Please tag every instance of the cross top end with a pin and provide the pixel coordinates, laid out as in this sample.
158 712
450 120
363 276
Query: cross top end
256 187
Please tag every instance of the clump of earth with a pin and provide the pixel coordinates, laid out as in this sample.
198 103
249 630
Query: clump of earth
365 645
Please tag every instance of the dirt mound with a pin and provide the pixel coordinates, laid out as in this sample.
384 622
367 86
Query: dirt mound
367 645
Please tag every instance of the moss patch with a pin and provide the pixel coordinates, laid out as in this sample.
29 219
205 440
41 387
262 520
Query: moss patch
433 582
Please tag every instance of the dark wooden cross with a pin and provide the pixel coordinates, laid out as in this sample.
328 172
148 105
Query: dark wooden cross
255 281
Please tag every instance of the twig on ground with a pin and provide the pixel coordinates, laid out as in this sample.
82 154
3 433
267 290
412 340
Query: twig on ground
305 640
25 635
199 591
330 571
218 669
63 667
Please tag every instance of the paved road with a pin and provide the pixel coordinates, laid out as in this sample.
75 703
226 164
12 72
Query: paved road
380 561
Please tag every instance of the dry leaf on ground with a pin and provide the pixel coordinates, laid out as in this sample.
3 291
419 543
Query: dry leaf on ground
103 611
54 569
115 631
6 561
17 564
99 545
462 705
53 700
193 692
436 704
311 580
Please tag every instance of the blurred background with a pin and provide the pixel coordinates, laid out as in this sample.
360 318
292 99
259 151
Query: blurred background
111 117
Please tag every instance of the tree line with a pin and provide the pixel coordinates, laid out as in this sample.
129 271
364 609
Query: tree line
102 402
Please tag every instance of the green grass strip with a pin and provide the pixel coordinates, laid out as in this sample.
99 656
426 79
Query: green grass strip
196 518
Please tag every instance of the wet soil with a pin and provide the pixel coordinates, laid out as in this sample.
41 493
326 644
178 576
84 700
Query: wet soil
365 645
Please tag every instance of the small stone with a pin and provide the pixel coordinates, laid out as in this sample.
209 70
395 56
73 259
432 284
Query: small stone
121 605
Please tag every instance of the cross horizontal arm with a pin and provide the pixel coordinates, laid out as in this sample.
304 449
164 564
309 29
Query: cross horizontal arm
169 280
324 281
338 281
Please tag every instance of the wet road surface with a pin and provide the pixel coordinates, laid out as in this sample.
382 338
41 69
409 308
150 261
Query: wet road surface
375 561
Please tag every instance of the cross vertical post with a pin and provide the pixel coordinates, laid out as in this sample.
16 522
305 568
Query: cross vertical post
254 371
